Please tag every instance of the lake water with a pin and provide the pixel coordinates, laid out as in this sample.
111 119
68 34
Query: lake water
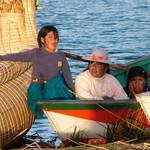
121 27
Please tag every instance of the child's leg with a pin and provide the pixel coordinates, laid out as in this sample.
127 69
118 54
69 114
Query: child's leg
56 88
34 95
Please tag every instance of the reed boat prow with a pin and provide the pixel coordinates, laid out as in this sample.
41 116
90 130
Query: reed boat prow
18 33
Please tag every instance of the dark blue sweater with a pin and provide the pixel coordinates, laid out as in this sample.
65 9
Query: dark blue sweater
46 65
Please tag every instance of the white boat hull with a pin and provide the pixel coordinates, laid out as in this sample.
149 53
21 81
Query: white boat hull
91 128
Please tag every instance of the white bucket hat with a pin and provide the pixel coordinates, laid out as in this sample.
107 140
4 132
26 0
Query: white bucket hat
98 56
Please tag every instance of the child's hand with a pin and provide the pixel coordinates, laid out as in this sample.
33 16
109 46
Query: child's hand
131 90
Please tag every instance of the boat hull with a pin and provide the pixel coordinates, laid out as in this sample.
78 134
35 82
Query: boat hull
92 118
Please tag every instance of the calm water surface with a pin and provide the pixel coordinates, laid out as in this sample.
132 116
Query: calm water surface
121 27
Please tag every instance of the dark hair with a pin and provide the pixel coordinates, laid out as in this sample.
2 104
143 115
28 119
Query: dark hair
107 65
44 31
136 71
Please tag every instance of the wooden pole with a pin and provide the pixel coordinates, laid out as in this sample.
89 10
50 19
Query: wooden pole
77 57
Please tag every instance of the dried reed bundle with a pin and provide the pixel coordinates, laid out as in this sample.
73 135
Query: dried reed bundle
17 25
11 6
15 117
17 32
12 70
132 127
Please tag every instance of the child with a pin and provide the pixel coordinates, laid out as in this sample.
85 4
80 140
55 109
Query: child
51 75
137 81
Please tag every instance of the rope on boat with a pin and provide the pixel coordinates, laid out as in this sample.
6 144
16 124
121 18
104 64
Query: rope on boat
107 111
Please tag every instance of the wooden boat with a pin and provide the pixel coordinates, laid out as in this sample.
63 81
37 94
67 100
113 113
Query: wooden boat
92 119
18 31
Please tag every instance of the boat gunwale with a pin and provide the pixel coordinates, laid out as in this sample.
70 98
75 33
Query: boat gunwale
52 105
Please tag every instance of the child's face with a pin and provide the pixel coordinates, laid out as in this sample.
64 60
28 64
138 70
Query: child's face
50 41
138 84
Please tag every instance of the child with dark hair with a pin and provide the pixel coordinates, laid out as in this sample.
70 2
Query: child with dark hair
51 75
136 81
